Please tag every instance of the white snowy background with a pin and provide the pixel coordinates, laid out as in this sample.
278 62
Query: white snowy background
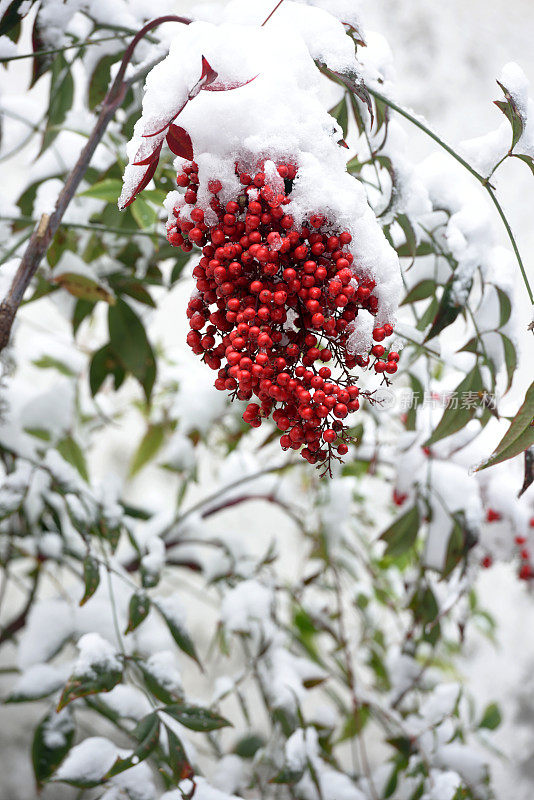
447 56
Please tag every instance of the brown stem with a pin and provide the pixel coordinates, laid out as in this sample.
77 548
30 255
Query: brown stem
20 620
272 12
48 225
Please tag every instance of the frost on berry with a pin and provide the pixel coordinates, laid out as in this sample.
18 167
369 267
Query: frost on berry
297 286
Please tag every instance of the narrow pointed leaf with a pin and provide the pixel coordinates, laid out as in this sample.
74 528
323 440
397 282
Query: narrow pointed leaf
519 436
138 610
195 718
100 679
147 733
401 535
52 741
178 761
91 577
180 142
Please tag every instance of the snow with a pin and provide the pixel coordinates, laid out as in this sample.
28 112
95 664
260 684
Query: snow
229 774
88 761
127 701
95 653
8 48
163 666
197 403
39 680
297 128
470 764
14 488
136 783
247 606
57 728
50 623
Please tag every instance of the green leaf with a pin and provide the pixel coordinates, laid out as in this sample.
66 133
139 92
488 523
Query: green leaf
10 19
429 314
421 291
424 605
165 694
138 610
71 451
82 309
100 679
448 310
458 413
341 114
49 362
510 358
491 718
180 636
178 761
103 363
195 718
411 239
355 723
100 80
61 97
288 775
248 745
52 741
130 344
422 249
512 114
505 306
147 733
134 288
529 161
528 479
401 535
83 287
108 190
64 240
519 436
150 444
144 214
156 196
91 577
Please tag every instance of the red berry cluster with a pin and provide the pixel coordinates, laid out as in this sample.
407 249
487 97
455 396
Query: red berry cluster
274 308
526 568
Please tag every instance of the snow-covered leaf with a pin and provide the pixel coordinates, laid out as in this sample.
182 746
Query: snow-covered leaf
196 718
52 741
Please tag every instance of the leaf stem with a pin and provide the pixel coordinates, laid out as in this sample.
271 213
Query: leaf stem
80 45
277 6
95 227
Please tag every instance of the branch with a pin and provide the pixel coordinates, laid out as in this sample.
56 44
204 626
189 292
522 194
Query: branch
48 225
20 620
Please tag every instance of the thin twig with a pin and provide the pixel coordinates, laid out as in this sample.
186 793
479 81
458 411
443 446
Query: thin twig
277 6
80 45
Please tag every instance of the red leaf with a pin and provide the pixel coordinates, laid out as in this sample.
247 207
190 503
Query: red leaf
180 142
147 177
166 124
148 160
208 73
224 87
